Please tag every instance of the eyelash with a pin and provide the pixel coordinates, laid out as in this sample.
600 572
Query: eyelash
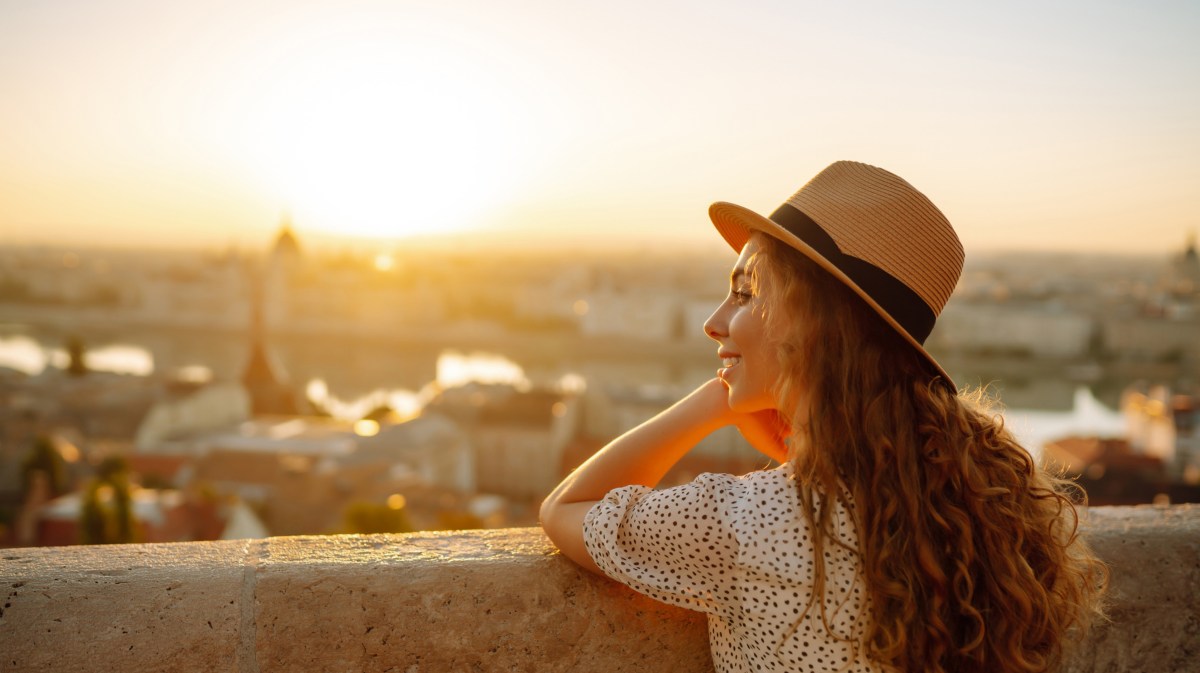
742 296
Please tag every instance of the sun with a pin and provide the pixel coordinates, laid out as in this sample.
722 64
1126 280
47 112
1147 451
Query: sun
383 141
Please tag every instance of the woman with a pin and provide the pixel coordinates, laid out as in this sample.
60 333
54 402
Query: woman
905 528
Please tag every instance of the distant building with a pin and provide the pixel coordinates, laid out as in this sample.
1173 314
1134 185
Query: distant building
615 410
159 516
243 524
519 437
1158 338
1036 330
208 293
1166 425
263 377
1034 428
1158 459
1109 470
1183 279
695 313
287 246
430 446
116 413
650 315
284 266
1167 325
300 473
191 408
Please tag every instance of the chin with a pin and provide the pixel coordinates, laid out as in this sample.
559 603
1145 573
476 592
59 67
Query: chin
747 405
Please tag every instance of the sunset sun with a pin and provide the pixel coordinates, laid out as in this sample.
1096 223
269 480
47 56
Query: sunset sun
372 143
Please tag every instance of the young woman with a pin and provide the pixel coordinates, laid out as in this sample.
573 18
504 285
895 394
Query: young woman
905 528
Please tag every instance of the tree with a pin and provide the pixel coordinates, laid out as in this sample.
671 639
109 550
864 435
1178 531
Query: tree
106 515
367 518
44 458
454 519
76 357
93 518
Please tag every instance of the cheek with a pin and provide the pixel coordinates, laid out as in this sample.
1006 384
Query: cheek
748 330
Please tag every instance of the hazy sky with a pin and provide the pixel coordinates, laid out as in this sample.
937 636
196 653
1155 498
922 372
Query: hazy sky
1048 125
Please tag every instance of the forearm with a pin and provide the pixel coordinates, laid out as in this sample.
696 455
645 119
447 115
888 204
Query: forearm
641 456
644 454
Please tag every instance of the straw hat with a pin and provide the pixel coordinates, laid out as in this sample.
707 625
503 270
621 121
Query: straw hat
874 232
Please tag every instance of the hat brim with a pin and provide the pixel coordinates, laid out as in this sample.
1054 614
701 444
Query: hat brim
735 224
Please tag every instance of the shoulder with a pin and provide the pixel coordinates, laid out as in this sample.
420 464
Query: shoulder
769 506
709 496
774 486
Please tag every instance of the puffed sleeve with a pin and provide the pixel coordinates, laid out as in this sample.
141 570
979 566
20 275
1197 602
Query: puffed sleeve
676 545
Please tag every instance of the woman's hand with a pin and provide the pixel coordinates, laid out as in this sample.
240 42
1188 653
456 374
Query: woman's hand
766 430
644 454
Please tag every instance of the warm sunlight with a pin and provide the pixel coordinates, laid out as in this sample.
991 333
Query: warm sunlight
182 124
384 262
383 139
455 369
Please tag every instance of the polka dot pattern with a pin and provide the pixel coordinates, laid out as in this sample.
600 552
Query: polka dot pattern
739 549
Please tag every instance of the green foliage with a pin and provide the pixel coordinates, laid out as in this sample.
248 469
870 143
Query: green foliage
155 481
458 520
367 518
122 513
44 458
205 491
113 468
106 516
93 518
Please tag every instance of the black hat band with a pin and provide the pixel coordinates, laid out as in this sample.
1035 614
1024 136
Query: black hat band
901 303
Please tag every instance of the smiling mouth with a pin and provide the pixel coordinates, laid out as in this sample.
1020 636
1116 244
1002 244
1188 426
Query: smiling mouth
727 363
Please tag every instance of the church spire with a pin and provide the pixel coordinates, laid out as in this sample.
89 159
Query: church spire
269 394
286 243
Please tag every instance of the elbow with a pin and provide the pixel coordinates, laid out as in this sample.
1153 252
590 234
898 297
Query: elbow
546 511
549 521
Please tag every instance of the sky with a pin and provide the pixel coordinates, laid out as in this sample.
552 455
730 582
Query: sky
1060 126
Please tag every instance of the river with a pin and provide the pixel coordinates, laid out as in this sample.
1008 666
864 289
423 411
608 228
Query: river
352 375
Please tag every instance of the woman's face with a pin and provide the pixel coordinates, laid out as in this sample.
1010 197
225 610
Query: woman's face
750 362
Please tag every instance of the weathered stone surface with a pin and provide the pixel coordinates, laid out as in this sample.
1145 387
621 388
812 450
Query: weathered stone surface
1153 555
483 601
153 607
468 601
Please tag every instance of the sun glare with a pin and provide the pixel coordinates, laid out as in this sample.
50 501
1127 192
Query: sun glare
456 369
384 141
384 262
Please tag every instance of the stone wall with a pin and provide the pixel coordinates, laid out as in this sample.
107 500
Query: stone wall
467 601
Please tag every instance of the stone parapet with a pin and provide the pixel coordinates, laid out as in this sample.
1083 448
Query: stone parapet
500 600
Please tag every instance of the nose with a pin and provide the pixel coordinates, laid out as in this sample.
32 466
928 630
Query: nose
717 327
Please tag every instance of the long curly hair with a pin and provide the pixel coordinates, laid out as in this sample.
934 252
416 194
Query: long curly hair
970 552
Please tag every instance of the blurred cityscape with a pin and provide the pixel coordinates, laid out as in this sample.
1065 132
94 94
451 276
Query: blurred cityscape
163 396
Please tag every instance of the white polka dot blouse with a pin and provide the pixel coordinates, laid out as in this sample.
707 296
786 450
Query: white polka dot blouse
738 549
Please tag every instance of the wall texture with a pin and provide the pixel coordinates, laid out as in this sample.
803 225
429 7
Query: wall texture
467 601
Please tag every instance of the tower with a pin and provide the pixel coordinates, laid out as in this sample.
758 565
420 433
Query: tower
263 378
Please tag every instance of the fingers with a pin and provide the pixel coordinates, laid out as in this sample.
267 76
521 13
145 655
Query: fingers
766 430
